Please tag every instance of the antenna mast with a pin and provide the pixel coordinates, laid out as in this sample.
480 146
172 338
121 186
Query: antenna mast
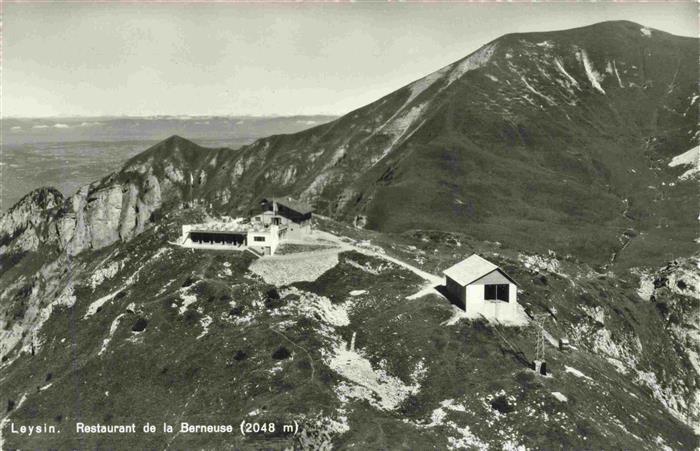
538 324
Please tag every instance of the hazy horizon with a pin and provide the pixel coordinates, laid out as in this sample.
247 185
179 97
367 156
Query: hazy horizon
63 60
68 153
169 116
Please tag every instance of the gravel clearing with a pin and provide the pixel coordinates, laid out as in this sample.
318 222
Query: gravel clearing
301 267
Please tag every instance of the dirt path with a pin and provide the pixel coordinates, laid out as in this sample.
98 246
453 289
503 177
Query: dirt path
625 238
347 244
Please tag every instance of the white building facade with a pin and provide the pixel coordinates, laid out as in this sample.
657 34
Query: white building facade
482 289
231 236
282 219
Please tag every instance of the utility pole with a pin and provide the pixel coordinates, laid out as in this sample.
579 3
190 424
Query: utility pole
540 364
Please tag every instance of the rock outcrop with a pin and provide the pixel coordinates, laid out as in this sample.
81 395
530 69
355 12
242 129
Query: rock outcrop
24 226
96 217
99 214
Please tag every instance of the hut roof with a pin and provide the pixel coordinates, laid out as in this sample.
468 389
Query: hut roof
472 268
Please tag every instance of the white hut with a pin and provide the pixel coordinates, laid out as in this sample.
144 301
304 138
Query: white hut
482 289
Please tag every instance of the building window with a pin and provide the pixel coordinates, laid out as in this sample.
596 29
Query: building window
262 238
496 292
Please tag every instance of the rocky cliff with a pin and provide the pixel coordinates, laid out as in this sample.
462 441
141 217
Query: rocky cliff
115 208
27 224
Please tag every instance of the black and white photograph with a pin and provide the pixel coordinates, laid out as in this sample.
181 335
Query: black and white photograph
331 225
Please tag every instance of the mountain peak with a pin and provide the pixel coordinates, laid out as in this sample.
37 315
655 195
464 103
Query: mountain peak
176 140
44 198
600 32
175 147
618 26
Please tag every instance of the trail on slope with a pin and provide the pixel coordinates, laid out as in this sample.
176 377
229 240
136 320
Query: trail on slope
347 246
432 280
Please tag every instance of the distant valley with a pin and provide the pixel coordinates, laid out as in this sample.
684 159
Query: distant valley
68 153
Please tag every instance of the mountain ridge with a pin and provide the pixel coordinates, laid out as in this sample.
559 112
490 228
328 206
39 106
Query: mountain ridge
417 139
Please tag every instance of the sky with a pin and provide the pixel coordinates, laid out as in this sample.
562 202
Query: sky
137 59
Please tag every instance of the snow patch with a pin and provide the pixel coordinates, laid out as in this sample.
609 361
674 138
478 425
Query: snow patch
571 79
617 74
357 292
288 175
92 308
576 373
662 444
689 158
536 92
559 396
593 77
112 330
645 31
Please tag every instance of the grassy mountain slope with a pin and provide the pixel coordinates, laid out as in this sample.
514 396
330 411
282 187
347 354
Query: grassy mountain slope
545 152
541 135
147 332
